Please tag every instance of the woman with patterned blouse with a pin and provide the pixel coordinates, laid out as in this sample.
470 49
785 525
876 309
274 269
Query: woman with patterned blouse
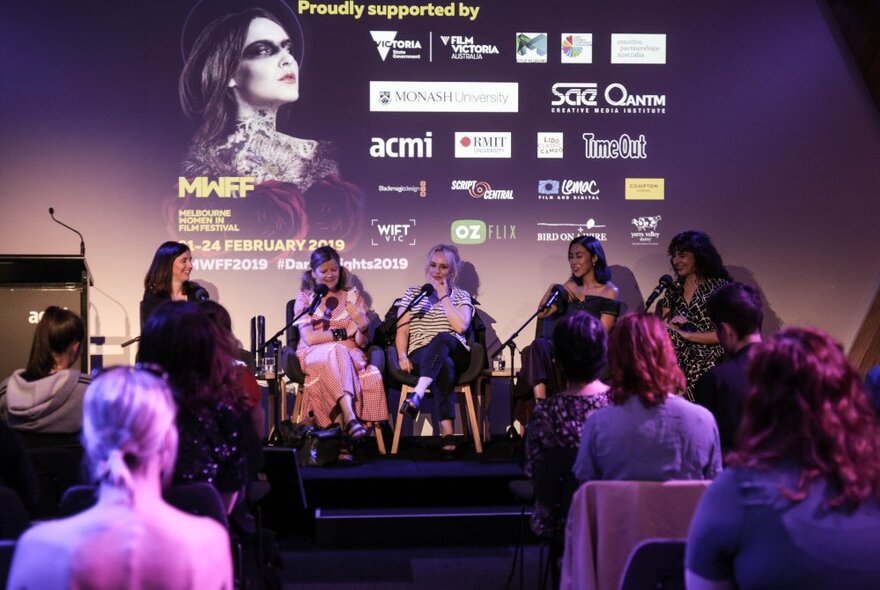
431 339
699 272
579 339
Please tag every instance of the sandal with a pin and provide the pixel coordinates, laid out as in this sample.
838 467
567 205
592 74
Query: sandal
355 430
411 405
448 448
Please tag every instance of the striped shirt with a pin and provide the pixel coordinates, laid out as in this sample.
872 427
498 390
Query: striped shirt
427 319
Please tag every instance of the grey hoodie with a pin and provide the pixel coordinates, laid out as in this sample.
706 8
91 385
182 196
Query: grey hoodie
52 404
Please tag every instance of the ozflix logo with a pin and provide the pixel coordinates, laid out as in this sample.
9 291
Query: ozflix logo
468 231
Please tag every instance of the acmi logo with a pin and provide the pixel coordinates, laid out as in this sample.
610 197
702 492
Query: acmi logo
402 147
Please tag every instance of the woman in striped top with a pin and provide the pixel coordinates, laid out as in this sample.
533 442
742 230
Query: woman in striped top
430 338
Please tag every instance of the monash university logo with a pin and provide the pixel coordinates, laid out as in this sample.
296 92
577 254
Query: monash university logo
387 42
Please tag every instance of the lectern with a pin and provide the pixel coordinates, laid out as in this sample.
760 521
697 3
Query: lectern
28 285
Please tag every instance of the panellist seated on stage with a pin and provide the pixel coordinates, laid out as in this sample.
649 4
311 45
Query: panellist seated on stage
132 538
649 433
799 504
339 381
46 397
216 430
588 289
167 279
430 339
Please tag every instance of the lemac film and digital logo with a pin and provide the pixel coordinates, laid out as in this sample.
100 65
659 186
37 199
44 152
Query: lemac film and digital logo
477 231
645 189
576 48
615 98
402 147
466 47
398 233
645 233
568 189
387 44
632 48
531 48
622 148
444 97
421 189
480 189
566 232
551 144
482 144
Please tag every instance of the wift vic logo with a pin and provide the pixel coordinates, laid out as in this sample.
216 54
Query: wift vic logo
393 233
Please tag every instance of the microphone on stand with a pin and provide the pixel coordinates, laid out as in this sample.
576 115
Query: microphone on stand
557 292
201 294
320 291
665 283
82 242
426 291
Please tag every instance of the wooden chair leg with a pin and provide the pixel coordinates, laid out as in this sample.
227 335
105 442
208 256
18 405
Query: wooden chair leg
380 440
398 423
296 416
472 417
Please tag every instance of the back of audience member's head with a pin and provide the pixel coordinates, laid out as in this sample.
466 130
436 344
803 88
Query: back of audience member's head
579 344
806 405
128 422
182 340
739 305
642 361
57 331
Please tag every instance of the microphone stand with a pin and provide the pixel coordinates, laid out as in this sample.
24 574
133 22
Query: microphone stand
274 379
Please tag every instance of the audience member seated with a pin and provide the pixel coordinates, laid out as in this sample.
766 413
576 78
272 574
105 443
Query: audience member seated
736 313
649 433
799 505
579 340
47 396
340 383
431 341
131 538
211 417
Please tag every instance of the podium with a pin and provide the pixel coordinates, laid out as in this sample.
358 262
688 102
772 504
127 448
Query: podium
28 285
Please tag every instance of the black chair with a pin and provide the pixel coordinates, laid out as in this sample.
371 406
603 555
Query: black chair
655 563
295 374
7 550
14 519
58 463
554 485
478 361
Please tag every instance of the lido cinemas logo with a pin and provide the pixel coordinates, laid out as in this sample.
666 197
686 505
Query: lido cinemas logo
444 97
582 97
393 233
480 189
402 147
387 42
476 231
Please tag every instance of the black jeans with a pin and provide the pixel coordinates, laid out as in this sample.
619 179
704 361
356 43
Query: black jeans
443 359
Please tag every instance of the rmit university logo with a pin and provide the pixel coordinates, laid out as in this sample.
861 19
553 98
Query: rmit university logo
393 233
402 147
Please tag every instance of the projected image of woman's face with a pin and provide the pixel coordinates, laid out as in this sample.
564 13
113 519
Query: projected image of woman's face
268 75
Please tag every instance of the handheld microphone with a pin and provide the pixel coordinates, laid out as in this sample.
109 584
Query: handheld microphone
665 283
320 291
555 293
426 291
82 242
201 294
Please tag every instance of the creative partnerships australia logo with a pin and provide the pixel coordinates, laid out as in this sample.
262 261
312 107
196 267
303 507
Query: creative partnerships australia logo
402 147
632 48
480 189
568 189
622 148
576 48
400 233
645 233
551 144
468 48
645 189
480 144
388 45
531 48
477 231
444 97
614 98
566 231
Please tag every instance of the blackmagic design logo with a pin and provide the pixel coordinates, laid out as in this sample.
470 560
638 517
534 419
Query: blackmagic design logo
566 232
480 189
387 42
568 190
467 48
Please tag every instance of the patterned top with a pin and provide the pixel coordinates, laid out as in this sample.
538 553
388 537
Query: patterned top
556 423
694 359
428 318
